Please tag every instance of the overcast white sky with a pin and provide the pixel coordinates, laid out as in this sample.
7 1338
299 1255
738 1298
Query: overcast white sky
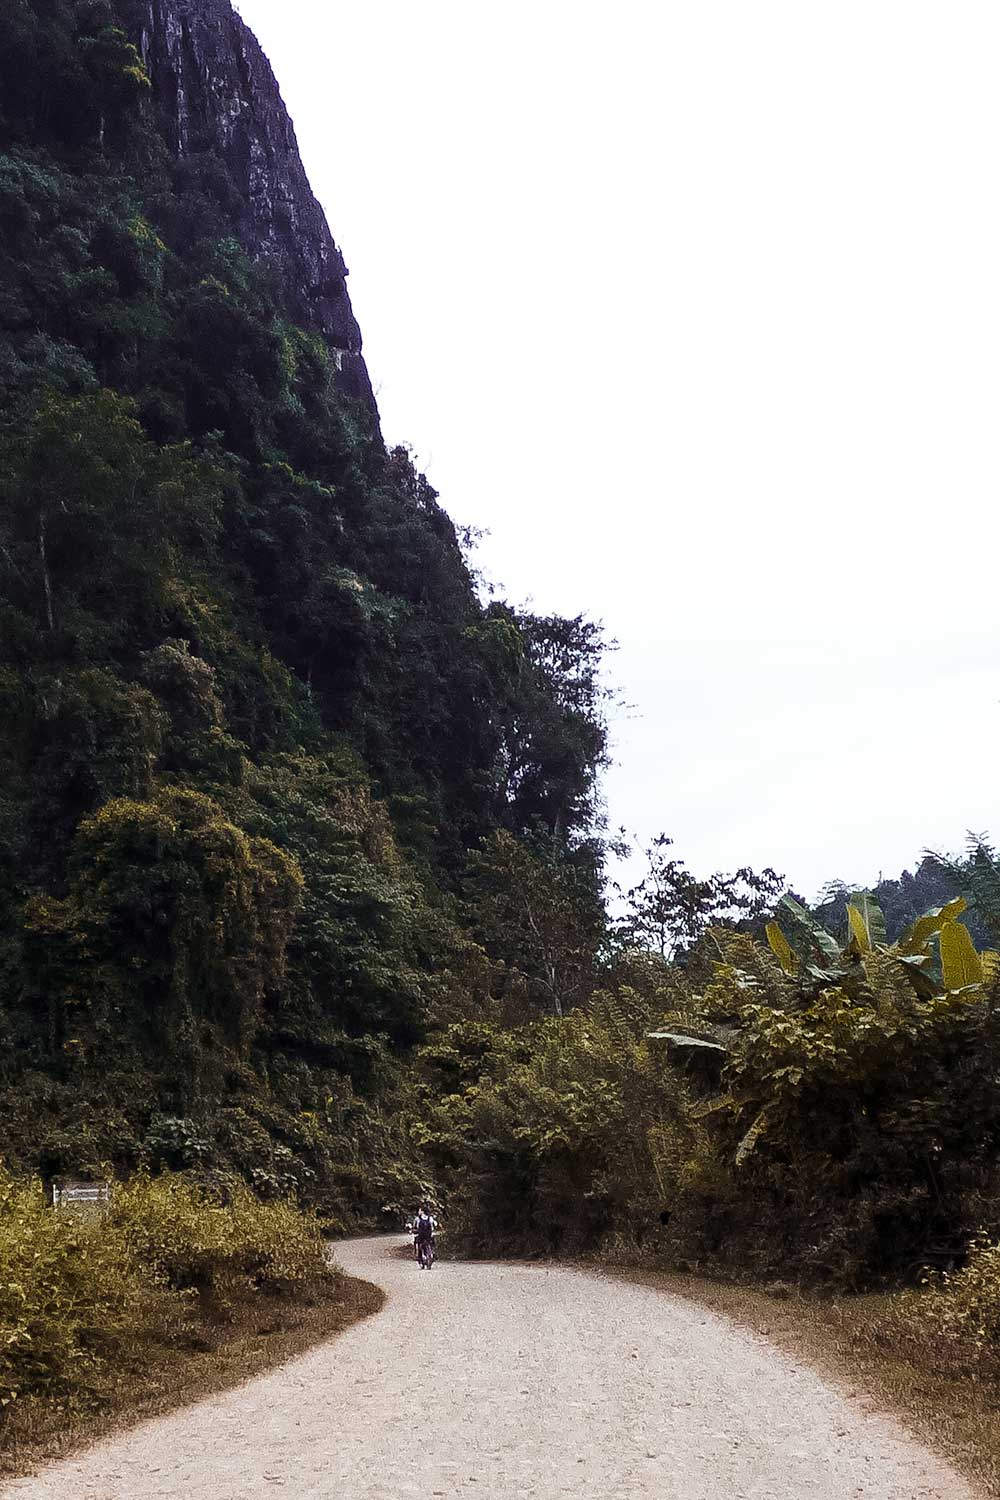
696 307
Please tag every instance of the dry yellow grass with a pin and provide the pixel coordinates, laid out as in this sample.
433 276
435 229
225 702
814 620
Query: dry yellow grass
212 1355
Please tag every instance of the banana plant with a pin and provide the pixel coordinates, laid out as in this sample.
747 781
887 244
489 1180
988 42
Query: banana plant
842 999
816 934
918 935
782 949
961 966
867 924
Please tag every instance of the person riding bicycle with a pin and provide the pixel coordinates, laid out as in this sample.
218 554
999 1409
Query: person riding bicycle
424 1226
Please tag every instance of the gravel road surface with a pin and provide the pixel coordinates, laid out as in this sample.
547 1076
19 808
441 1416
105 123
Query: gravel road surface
497 1382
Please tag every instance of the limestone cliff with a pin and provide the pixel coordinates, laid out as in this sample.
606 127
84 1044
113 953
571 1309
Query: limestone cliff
216 95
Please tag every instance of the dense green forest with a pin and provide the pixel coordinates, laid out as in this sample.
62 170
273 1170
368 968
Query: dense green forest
302 872
257 727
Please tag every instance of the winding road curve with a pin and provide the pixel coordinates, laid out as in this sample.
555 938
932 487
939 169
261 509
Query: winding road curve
497 1382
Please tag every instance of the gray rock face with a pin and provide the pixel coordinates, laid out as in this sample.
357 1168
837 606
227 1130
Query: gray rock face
215 93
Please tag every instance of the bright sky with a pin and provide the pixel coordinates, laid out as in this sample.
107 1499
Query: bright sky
695 306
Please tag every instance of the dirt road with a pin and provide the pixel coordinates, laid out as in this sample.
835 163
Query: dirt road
501 1382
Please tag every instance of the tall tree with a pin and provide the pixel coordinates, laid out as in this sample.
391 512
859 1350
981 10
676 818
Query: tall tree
538 912
670 908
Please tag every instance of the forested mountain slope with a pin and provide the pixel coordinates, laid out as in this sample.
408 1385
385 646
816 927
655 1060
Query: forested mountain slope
300 867
256 724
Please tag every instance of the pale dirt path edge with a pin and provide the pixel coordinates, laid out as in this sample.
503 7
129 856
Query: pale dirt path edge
503 1381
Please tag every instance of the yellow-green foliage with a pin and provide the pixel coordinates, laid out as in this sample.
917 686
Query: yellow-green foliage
963 1306
75 1290
829 1111
828 1053
172 893
563 1132
192 1242
68 1294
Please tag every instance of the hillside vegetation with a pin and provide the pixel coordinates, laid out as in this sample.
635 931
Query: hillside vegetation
794 1103
256 723
301 864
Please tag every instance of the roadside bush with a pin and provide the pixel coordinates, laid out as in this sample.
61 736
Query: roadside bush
280 1247
78 1294
195 1242
572 1136
68 1297
963 1307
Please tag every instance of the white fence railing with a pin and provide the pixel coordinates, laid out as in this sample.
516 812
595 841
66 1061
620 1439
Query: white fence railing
81 1195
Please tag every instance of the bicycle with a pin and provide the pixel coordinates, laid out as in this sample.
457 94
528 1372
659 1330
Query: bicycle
425 1254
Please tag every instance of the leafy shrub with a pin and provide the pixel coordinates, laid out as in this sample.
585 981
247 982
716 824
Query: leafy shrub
76 1292
963 1307
176 1142
68 1296
194 1242
566 1136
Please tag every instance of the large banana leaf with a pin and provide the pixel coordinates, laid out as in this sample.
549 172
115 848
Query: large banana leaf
919 933
960 963
781 948
826 944
925 985
866 922
859 930
832 974
679 1039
